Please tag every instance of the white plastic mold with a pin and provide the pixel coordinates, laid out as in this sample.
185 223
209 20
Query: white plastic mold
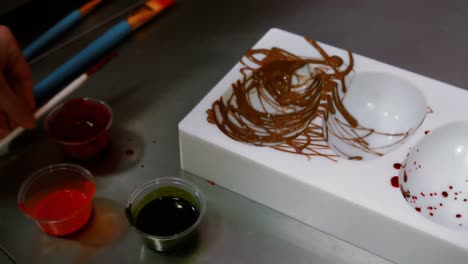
352 200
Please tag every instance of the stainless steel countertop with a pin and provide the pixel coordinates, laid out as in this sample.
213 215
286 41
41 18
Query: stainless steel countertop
160 74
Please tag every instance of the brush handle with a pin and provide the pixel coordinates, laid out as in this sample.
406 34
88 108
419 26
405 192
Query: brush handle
59 28
5 142
82 59
62 26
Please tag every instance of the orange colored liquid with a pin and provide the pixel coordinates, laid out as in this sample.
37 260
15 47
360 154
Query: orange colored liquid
70 208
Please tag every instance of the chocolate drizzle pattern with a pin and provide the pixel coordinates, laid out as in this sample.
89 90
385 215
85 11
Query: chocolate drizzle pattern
282 99
356 137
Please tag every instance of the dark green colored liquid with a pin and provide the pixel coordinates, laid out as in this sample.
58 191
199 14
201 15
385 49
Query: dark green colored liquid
166 216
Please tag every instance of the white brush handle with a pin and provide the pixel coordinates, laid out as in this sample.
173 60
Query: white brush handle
5 142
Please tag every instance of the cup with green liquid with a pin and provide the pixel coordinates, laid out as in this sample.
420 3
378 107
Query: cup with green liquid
166 212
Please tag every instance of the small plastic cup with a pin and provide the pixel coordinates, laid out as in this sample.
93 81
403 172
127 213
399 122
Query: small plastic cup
58 198
166 187
81 127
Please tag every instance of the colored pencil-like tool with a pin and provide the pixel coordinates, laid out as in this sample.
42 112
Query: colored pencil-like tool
70 88
63 25
106 41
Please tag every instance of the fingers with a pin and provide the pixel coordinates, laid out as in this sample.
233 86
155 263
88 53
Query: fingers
15 68
19 78
4 126
14 106
16 87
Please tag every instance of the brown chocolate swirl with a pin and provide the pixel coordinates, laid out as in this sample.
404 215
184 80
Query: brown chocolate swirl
279 96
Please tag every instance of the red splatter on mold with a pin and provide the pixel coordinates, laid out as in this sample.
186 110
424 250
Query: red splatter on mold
405 176
395 182
444 194
423 195
418 209
431 214
441 204
397 166
129 152
212 183
458 215
450 187
427 132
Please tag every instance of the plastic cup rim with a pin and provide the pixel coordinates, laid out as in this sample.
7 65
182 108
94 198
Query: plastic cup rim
56 109
37 174
161 182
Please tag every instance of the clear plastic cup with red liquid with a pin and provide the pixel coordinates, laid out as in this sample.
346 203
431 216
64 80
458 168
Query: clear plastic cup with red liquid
81 127
59 198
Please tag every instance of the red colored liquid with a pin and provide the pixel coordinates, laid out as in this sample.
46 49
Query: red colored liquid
70 208
81 121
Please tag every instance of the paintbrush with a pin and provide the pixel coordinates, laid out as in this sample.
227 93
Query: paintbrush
63 25
106 41
70 88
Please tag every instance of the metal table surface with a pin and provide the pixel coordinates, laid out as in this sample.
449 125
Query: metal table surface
160 74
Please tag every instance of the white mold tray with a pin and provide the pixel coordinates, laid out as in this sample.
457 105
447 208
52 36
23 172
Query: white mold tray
352 200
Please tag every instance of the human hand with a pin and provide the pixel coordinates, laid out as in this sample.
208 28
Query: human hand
17 103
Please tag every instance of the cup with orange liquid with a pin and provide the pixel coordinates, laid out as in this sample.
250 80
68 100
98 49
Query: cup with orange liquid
58 198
